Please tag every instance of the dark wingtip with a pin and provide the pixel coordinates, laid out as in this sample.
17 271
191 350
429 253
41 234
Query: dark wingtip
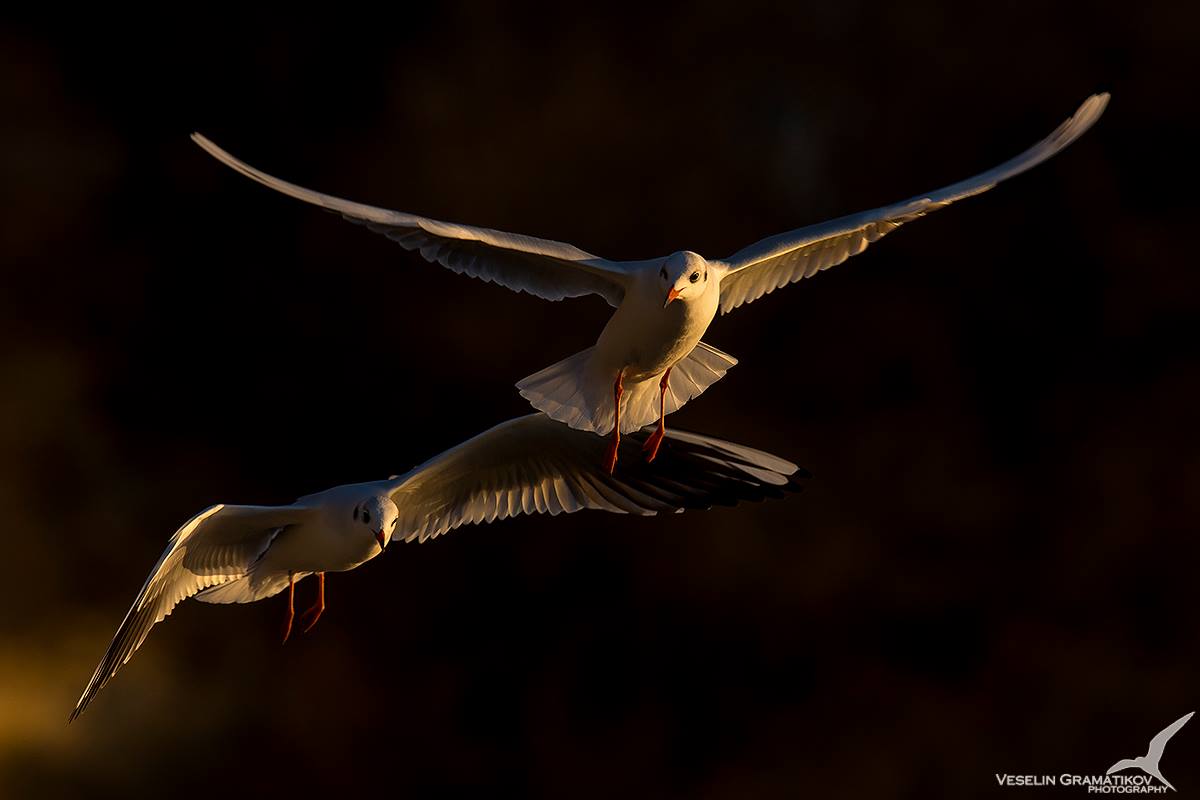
82 704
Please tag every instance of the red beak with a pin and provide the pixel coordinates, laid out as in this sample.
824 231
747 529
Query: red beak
671 295
379 538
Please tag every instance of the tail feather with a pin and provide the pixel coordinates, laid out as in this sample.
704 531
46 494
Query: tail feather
576 392
571 391
703 367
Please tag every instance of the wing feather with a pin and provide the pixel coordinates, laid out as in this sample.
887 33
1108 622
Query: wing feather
216 546
536 465
788 257
548 269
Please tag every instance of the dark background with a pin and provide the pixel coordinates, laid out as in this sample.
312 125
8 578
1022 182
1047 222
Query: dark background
991 572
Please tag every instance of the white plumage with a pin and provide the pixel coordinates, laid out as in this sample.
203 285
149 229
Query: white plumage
239 554
645 338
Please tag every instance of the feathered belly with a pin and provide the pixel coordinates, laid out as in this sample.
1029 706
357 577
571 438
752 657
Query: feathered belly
654 357
321 548
640 342
647 344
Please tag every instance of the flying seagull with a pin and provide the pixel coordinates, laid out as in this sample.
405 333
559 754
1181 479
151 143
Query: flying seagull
1149 762
649 359
240 554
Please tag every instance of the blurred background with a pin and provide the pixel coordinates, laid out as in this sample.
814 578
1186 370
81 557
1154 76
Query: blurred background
992 570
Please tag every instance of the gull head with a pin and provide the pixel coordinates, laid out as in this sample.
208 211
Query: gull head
683 276
377 515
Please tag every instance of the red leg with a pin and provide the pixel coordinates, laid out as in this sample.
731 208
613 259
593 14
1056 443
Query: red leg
317 607
610 456
654 440
287 631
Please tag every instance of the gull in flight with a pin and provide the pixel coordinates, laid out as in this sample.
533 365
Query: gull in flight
649 359
1149 762
240 554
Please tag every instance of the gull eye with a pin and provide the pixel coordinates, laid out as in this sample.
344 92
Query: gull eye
694 277
663 273
395 521
366 515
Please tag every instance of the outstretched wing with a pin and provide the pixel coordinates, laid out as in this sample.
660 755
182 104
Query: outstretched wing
1159 742
1124 763
786 258
534 465
216 546
548 269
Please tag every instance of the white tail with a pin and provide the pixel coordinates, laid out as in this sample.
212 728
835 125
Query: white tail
579 394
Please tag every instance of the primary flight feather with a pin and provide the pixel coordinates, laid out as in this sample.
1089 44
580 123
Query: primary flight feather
529 465
649 359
